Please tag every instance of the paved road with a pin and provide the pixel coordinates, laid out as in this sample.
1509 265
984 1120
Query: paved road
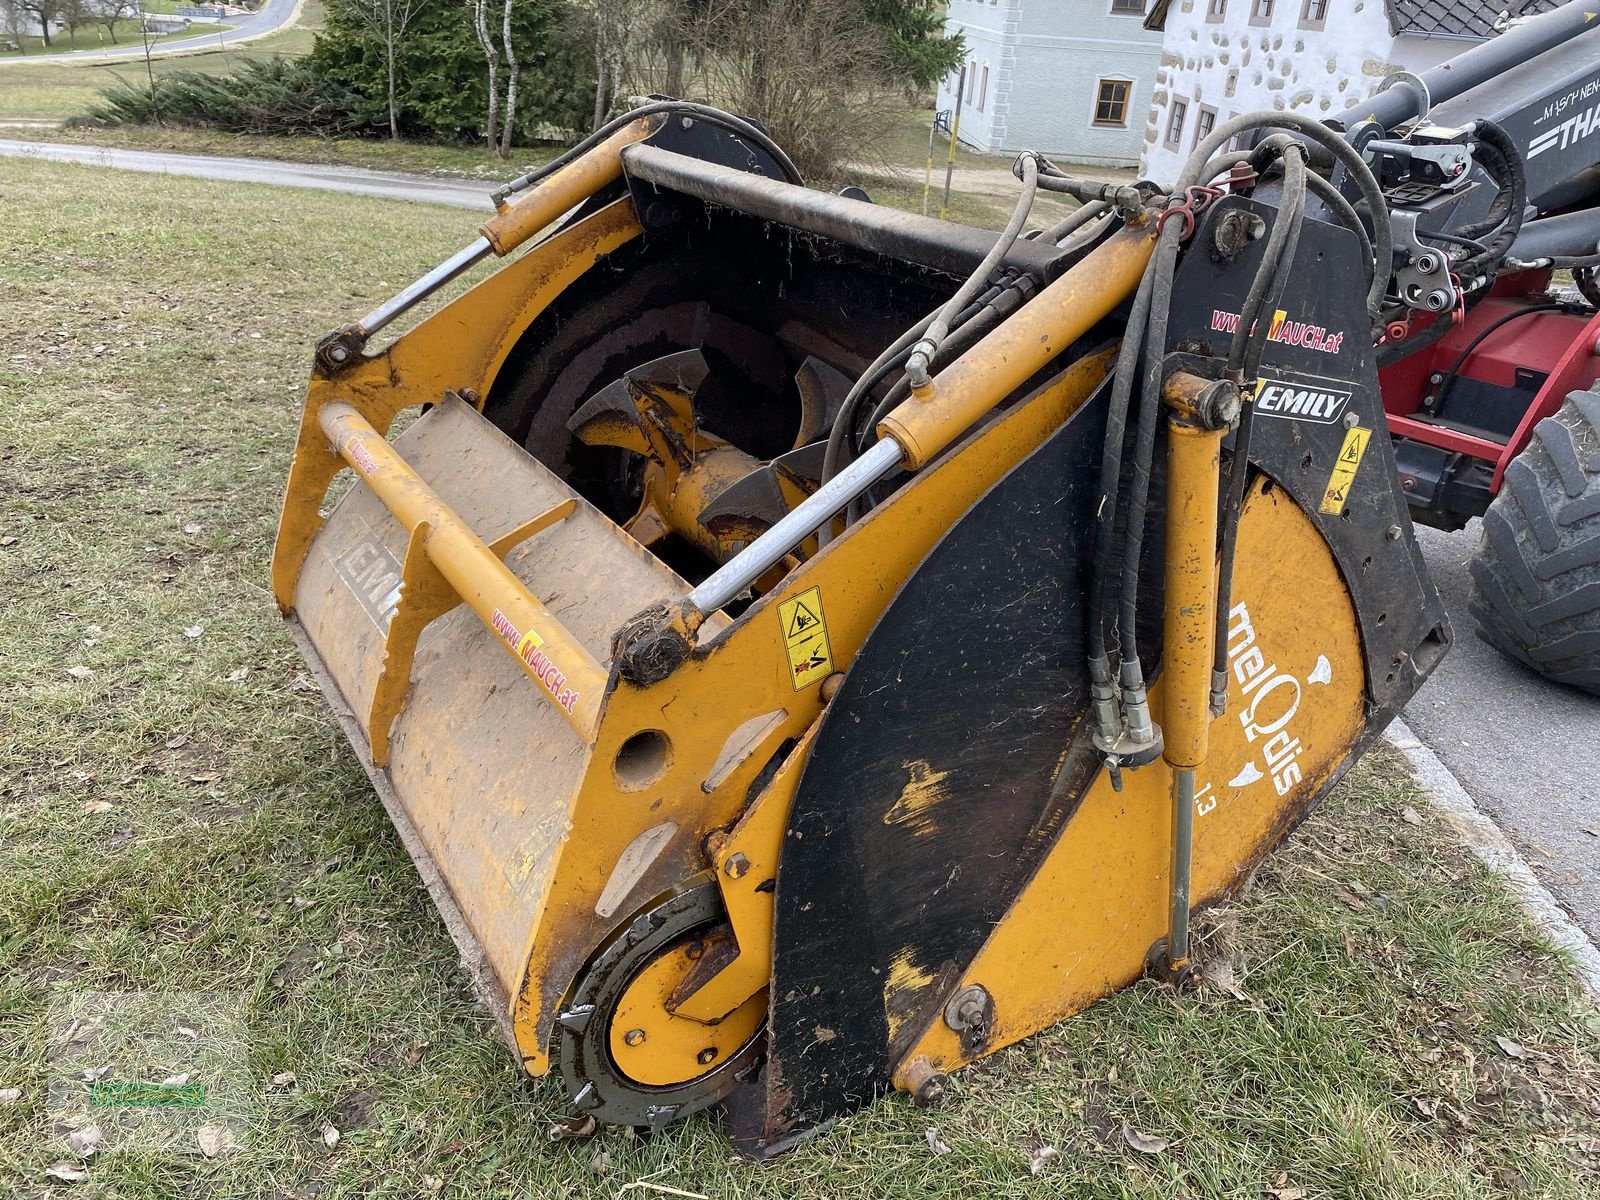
272 16
392 185
1526 750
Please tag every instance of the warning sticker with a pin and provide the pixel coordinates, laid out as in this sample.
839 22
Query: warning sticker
805 638
1344 471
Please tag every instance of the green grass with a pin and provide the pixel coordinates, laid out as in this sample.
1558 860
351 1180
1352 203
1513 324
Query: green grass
188 817
905 141
92 39
470 162
56 91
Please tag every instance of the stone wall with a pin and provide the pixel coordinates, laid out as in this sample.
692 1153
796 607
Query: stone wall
1233 66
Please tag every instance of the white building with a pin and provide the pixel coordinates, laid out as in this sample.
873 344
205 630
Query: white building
1220 58
1070 78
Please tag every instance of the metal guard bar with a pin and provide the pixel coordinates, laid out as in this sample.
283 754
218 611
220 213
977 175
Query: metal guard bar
942 245
566 673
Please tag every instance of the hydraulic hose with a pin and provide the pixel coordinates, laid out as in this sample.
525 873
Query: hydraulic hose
1482 335
712 116
1111 477
892 358
1510 207
1249 339
1335 202
1155 342
922 353
1083 215
1324 191
973 322
892 355
1290 220
1343 152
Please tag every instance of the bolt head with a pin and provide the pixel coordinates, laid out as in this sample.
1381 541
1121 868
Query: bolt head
707 1056
1219 404
931 1094
1392 533
736 866
1351 420
339 354
634 1037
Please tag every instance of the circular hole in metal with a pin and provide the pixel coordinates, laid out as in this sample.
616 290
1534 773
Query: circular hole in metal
642 759
1382 617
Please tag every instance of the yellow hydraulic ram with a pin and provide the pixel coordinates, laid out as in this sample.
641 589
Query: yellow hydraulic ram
510 227
1200 411
931 420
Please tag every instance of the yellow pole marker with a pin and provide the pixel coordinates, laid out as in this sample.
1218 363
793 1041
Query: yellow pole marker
955 132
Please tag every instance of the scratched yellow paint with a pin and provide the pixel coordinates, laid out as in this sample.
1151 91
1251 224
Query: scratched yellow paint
905 975
923 791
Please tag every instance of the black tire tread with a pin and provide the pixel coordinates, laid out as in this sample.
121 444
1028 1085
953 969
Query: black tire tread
1536 574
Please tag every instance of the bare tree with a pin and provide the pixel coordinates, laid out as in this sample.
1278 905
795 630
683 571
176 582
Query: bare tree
110 13
387 20
12 22
614 28
149 69
75 14
816 73
42 11
491 54
513 72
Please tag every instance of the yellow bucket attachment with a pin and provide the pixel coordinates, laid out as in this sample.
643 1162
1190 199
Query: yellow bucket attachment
856 803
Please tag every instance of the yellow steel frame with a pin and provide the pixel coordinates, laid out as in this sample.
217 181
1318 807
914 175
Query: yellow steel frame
705 707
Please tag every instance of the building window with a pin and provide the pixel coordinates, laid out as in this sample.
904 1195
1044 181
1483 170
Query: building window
1216 10
1261 12
1205 120
972 81
1175 118
1111 102
1313 14
1127 8
1231 84
983 88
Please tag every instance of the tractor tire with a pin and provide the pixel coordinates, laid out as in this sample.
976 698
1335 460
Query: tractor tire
1536 575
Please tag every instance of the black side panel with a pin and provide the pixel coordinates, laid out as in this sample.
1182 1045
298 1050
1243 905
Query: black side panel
940 774
1318 373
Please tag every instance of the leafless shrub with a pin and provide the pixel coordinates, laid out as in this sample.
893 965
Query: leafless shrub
815 73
